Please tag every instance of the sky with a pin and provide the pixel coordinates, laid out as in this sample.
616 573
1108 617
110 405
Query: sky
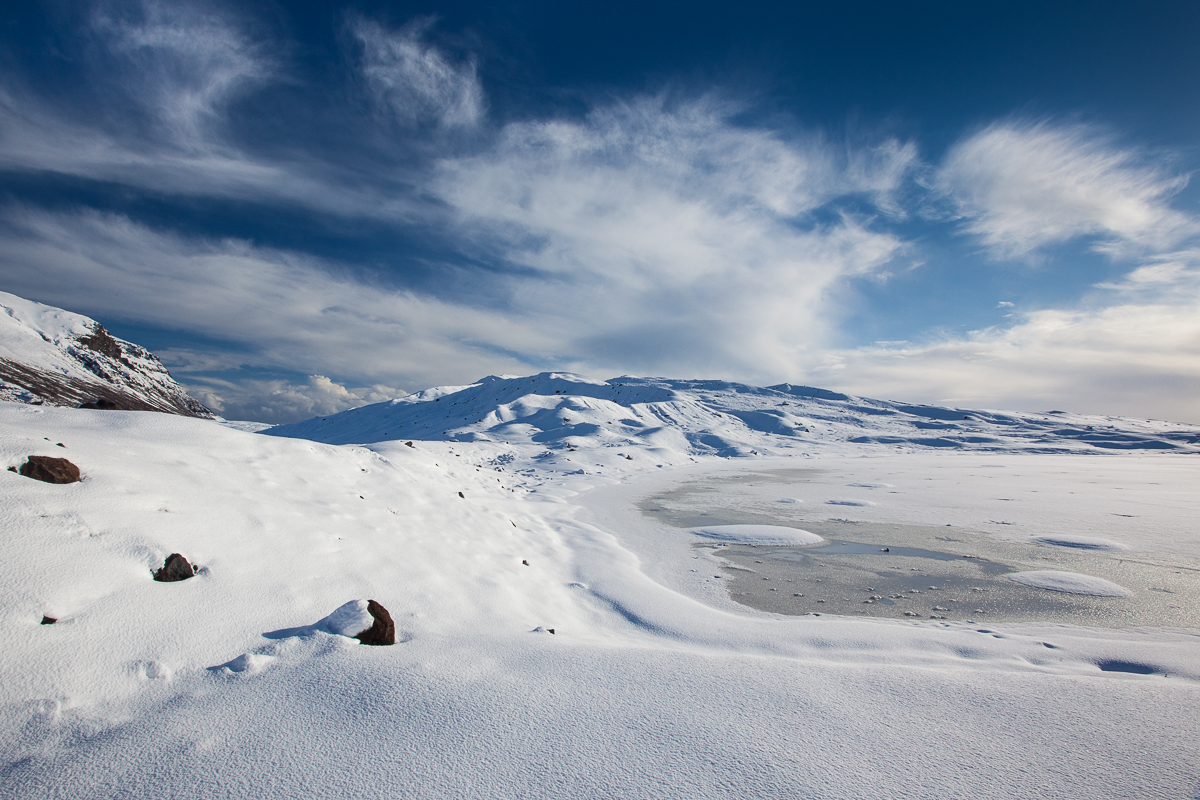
305 207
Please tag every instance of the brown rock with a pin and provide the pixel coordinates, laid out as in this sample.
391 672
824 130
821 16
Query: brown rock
175 568
50 470
104 404
383 631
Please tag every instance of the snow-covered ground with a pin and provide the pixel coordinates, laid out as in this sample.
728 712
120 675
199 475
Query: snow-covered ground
654 682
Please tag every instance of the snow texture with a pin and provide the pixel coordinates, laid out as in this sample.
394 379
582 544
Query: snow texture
759 534
1069 582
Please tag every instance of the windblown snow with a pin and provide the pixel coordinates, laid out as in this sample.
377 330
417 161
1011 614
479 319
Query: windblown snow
553 640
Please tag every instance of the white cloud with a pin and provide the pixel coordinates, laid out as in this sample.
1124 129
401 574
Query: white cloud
1136 349
280 401
414 80
1021 186
660 238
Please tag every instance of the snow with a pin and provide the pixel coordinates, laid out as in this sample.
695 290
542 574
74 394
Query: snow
1069 582
242 681
759 534
1083 543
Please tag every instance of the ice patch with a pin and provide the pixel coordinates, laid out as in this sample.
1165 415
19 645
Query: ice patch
1069 582
759 534
870 485
849 503
789 500
1082 543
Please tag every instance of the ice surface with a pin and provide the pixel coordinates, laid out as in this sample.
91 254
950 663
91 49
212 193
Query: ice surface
1069 582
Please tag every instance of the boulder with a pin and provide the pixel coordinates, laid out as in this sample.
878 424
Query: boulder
383 631
50 470
48 620
175 568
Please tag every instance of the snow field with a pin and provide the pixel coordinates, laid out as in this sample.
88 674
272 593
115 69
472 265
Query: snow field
229 684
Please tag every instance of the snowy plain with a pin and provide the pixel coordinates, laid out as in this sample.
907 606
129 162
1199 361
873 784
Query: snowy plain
521 507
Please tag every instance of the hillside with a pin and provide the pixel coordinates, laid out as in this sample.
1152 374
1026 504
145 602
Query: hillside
55 357
707 418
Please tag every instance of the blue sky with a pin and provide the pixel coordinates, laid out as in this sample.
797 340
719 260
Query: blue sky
305 207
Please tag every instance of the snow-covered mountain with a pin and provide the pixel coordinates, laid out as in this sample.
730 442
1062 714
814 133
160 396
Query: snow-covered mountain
56 357
694 418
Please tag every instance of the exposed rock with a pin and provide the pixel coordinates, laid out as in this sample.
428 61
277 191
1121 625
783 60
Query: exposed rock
104 404
48 620
383 632
50 470
175 568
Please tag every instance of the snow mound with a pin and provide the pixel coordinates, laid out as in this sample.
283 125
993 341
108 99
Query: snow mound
1082 543
759 534
350 619
1069 582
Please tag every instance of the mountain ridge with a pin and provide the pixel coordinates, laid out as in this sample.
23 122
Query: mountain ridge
56 357
722 418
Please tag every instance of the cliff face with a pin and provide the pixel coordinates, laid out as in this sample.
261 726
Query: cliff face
56 357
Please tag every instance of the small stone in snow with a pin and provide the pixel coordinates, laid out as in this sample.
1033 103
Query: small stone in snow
50 470
51 620
463 496
175 568
383 631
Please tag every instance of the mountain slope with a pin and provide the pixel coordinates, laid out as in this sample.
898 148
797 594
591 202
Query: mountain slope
56 357
561 410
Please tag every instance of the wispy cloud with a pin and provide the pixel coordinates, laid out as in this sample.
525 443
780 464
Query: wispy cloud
184 63
284 310
1021 186
414 80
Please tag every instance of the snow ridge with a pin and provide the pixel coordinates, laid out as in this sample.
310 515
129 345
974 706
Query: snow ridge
562 411
56 357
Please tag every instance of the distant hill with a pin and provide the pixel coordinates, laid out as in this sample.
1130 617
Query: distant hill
708 417
59 358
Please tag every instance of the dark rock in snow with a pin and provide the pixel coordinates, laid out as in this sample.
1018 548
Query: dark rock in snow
175 568
48 620
383 632
104 404
50 470
463 496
